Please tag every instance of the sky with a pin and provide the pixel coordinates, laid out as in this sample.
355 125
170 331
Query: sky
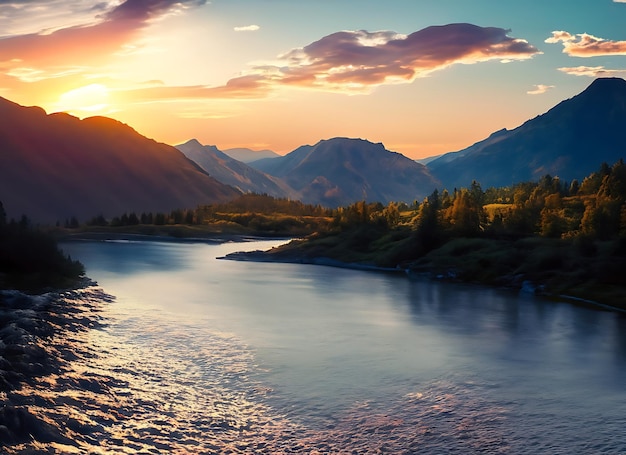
423 77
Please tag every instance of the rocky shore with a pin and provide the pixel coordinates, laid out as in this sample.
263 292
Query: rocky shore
34 343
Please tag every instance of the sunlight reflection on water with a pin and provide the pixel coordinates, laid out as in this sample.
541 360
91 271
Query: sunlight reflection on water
220 362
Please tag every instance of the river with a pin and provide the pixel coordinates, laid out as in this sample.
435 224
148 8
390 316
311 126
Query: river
200 355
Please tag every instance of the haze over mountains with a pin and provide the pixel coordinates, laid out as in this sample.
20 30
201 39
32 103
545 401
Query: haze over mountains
570 141
56 166
233 172
246 155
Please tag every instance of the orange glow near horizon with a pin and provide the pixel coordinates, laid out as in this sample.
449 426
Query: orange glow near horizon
91 99
176 70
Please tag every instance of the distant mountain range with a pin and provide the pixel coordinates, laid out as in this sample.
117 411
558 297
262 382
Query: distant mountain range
56 166
234 173
246 155
341 171
570 141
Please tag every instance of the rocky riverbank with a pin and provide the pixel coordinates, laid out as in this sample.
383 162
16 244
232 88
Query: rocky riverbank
35 334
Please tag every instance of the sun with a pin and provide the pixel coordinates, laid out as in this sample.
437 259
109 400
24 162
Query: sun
89 99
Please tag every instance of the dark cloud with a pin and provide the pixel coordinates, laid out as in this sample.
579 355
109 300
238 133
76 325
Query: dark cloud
143 10
371 58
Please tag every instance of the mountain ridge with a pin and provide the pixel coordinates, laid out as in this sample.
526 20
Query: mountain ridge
246 155
233 172
56 166
341 171
569 141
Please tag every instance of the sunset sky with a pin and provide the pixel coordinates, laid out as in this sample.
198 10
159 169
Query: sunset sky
423 77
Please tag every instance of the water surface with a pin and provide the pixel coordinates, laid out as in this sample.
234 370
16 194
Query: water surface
199 355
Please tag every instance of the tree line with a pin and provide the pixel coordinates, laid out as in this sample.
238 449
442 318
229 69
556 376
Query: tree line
594 208
30 258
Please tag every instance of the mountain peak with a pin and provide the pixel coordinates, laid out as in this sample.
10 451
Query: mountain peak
604 90
57 166
348 140
191 143
570 141
341 170
605 83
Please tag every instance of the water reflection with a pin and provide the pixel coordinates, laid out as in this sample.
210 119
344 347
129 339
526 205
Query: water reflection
124 257
206 356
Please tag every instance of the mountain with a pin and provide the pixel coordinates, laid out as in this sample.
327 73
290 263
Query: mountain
570 141
246 155
342 171
232 172
427 160
57 166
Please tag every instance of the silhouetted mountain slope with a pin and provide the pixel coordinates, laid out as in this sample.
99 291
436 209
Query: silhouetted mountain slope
246 155
232 172
341 171
56 166
569 141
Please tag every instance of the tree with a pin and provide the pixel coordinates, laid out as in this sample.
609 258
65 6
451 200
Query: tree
98 221
428 232
601 219
159 219
391 213
3 215
465 213
133 219
553 222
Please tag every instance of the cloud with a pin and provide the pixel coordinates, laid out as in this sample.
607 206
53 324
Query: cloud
247 28
251 86
593 71
585 45
540 89
356 62
359 60
619 1
19 17
87 43
351 62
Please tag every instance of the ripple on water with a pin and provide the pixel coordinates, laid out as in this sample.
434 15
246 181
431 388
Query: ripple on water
137 385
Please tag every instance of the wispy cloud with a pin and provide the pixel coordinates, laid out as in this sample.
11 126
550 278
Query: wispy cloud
619 1
539 89
19 17
593 71
250 86
112 29
247 28
585 45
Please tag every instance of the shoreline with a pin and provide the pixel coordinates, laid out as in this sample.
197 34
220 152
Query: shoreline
131 237
528 287
264 256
